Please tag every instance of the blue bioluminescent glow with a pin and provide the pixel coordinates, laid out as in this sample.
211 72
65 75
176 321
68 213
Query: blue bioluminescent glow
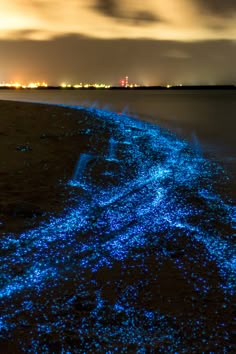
81 166
144 261
112 149
196 144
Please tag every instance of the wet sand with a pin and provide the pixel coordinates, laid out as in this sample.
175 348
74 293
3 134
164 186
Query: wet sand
160 292
39 147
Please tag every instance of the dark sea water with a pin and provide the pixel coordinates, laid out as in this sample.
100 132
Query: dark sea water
206 118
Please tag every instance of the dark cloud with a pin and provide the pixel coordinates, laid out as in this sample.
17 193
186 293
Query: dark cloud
144 17
218 7
113 8
108 7
75 58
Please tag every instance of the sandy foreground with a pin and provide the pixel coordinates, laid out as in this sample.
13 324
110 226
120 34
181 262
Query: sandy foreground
145 267
40 146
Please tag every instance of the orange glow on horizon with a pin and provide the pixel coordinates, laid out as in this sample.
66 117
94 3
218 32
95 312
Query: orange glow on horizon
19 85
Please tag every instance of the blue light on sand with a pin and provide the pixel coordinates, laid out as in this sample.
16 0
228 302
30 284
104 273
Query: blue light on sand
146 201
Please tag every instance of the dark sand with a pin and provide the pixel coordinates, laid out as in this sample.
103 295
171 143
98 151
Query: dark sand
31 181
32 188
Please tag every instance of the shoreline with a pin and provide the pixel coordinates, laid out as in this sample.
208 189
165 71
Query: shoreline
205 119
39 149
135 254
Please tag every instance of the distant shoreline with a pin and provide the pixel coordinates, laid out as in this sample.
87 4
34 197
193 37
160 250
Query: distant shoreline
179 88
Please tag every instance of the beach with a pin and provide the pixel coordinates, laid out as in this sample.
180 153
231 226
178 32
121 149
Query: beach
115 236
39 149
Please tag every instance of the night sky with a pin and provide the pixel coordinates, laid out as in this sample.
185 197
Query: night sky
151 41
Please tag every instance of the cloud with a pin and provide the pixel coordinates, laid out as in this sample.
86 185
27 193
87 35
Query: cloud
108 7
219 8
119 11
182 20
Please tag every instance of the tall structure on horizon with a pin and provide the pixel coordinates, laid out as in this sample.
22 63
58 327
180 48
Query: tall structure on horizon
124 82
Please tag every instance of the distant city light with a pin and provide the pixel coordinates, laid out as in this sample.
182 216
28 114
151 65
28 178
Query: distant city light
85 85
31 85
77 86
123 83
